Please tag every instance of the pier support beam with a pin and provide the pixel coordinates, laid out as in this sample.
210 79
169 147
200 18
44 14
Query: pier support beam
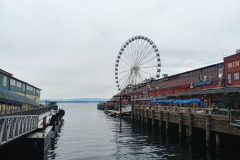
167 121
217 139
153 117
208 125
160 119
190 124
180 122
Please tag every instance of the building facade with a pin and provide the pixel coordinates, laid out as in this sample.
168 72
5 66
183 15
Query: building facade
10 83
212 77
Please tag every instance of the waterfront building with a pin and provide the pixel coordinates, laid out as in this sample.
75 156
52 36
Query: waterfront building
191 84
10 83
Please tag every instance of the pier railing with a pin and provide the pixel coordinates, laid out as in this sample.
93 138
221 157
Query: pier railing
18 110
12 127
186 109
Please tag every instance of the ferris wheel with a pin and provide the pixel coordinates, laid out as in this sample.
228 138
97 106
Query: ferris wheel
137 62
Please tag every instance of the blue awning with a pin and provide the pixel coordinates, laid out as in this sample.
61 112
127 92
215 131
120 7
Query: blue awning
13 97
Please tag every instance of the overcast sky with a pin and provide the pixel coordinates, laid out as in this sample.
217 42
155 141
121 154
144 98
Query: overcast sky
69 48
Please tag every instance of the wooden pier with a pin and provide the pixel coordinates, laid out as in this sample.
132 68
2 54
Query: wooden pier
204 118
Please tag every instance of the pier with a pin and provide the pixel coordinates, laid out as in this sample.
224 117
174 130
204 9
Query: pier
186 118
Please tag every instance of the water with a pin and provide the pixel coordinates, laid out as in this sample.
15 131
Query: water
88 133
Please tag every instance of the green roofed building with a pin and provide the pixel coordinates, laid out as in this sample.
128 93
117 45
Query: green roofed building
10 83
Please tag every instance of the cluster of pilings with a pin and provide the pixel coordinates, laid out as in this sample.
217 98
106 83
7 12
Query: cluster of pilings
149 116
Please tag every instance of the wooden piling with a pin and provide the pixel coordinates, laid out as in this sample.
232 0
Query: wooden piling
160 119
167 121
208 125
180 122
187 131
139 114
217 138
153 117
190 125
146 121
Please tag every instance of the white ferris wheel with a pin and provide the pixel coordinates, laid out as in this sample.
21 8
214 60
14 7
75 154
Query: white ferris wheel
137 61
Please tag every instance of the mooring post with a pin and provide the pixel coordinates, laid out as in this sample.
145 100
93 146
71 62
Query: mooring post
180 122
190 124
153 117
208 125
217 138
167 121
160 119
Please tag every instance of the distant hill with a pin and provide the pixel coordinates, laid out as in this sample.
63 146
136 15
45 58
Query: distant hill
76 100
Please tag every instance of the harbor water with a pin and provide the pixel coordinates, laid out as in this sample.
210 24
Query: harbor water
87 133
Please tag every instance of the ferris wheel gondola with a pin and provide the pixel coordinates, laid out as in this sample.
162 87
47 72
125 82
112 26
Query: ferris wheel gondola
137 62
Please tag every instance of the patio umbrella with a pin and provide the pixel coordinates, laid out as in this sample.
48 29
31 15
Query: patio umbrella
178 102
186 101
154 101
171 100
194 100
162 101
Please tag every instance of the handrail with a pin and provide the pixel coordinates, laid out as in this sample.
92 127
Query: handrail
224 112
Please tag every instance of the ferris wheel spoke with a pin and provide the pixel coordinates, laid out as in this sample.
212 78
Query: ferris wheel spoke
123 71
126 81
125 62
146 73
135 50
142 52
149 66
125 58
124 66
129 55
147 61
124 76
145 57
138 51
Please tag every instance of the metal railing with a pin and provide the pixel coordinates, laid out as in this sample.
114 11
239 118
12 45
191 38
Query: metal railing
18 110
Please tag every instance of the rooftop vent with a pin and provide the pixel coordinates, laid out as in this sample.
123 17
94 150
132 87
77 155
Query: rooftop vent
237 51
165 75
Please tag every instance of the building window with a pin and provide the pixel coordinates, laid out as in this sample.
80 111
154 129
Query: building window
23 87
12 82
19 84
4 81
236 76
229 78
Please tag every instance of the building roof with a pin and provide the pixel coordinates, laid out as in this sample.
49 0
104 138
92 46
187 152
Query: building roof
188 79
5 72
10 97
11 76
222 90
